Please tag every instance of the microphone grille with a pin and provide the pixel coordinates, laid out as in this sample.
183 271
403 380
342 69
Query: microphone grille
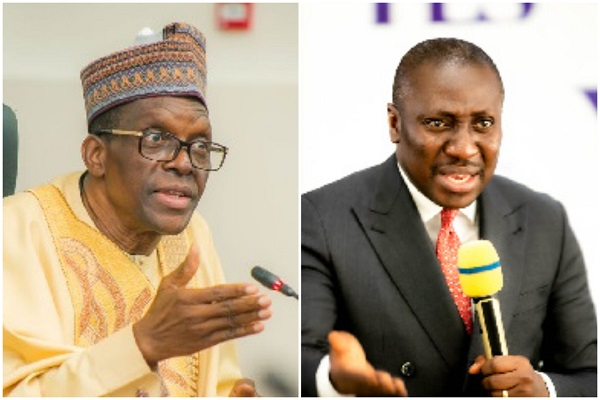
257 271
263 276
479 269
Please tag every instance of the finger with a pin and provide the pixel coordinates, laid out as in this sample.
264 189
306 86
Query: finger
476 367
500 381
243 388
181 275
224 335
218 293
385 383
226 308
230 321
400 387
393 386
500 365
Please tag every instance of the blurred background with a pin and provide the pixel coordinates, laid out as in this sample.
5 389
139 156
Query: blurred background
547 54
252 203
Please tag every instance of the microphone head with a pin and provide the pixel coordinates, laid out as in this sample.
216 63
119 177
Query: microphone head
479 269
263 276
272 281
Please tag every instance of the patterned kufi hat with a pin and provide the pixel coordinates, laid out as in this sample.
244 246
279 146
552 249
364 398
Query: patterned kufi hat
173 66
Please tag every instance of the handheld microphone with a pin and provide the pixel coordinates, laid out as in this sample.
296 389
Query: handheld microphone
272 281
480 276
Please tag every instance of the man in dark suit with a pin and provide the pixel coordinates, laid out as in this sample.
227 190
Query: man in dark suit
376 305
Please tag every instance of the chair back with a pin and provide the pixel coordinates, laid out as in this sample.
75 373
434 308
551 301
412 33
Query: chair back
10 151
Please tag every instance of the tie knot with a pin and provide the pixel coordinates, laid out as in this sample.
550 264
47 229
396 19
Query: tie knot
448 215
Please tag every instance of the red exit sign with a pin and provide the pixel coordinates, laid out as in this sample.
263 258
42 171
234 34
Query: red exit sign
234 16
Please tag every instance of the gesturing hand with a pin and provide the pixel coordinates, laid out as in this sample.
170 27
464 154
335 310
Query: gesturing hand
183 321
351 373
513 374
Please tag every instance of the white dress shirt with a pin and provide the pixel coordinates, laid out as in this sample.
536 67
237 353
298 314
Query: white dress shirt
466 225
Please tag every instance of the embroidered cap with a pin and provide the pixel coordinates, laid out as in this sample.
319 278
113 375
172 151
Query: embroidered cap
173 66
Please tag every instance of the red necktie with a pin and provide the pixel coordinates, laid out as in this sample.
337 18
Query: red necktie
446 250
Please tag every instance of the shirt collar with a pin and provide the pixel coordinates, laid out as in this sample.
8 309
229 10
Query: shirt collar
427 208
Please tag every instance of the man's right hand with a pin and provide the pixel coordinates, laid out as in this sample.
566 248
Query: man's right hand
183 321
351 373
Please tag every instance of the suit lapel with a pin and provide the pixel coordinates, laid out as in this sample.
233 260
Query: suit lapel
398 236
502 224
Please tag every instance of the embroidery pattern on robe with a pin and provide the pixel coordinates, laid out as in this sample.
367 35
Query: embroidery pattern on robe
107 289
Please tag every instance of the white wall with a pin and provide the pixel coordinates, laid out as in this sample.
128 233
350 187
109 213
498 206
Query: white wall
546 59
251 204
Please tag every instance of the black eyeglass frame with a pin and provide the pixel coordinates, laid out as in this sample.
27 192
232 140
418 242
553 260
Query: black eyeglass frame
182 143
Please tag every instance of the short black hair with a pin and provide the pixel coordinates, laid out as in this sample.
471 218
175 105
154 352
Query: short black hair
438 51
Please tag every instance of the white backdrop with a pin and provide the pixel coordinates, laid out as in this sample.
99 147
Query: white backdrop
546 54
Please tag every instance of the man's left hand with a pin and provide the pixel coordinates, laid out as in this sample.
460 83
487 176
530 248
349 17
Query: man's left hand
513 374
243 388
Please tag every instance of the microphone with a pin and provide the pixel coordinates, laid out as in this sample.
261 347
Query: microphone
272 281
480 276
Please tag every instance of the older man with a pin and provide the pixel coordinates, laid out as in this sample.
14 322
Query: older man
112 285
377 262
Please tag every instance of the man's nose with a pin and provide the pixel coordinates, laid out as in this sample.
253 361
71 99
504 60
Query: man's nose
182 162
462 143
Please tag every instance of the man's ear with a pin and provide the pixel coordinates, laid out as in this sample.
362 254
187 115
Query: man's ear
93 153
393 123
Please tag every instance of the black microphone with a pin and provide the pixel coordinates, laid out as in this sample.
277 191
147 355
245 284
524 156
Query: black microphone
272 281
481 278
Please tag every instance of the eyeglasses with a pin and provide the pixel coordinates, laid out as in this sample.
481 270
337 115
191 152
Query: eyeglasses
157 145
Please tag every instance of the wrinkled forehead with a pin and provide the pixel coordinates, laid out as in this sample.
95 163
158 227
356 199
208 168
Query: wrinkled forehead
178 115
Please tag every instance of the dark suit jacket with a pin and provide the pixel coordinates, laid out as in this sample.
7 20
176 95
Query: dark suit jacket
369 268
